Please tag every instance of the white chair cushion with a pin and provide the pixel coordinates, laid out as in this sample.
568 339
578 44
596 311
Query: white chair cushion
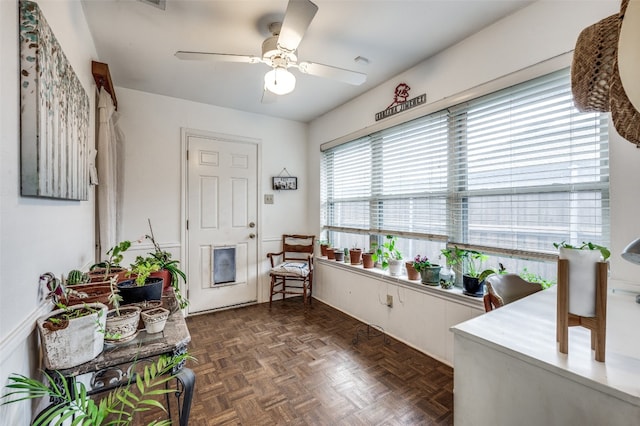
293 269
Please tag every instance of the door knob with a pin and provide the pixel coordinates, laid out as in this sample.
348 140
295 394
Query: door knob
252 235
252 225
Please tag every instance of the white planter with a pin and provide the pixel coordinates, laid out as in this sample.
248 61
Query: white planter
80 341
124 325
155 319
582 280
395 267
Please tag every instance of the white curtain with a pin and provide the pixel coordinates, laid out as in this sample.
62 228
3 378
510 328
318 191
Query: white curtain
109 200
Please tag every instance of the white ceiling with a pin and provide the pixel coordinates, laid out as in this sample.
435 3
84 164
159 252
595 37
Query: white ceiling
138 42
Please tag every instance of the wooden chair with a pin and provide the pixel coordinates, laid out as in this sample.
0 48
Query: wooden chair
292 268
507 288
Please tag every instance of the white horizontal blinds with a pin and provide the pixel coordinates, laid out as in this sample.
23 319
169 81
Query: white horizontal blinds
347 181
530 169
412 163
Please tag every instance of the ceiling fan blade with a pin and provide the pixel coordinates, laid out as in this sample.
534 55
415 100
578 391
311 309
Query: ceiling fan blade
297 19
335 73
218 57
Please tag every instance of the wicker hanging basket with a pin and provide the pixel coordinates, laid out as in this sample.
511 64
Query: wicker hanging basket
593 65
626 119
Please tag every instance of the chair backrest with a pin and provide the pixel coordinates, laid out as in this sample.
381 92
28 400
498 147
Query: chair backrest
507 288
297 247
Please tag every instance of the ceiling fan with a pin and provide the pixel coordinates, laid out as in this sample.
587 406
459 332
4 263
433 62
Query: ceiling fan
279 53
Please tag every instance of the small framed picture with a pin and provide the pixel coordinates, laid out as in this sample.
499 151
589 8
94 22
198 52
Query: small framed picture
285 182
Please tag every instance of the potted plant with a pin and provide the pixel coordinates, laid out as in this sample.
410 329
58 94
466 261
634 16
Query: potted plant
102 271
331 253
143 287
389 256
429 272
122 322
338 255
447 274
324 245
155 319
536 278
171 267
72 335
355 255
62 292
77 277
367 258
583 260
118 407
472 275
412 273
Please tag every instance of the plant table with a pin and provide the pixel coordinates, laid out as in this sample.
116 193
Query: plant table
117 363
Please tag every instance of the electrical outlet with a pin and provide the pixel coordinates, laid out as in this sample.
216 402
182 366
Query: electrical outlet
268 198
389 300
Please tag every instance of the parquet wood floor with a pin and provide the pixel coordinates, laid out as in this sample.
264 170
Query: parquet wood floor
297 365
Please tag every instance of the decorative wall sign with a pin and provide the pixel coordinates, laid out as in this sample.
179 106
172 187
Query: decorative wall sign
283 181
54 115
401 102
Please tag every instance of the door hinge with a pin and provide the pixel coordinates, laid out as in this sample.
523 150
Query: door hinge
187 155
187 225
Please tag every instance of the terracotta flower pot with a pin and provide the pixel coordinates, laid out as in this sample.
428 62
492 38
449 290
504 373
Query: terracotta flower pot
100 274
412 274
323 249
88 293
367 260
356 256
166 277
330 254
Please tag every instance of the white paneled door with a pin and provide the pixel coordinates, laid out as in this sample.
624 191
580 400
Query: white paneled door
222 228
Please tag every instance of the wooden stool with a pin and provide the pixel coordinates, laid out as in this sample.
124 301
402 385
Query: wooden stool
565 319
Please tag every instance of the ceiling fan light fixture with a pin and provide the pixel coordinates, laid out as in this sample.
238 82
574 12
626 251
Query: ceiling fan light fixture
279 81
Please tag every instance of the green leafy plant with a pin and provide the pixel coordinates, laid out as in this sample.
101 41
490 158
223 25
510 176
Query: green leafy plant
420 263
472 261
115 254
163 259
536 278
142 268
117 408
387 251
586 246
453 255
114 296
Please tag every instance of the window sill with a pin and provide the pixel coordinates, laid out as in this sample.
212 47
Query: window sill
455 294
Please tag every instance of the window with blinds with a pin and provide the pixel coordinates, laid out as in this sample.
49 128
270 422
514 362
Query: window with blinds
516 170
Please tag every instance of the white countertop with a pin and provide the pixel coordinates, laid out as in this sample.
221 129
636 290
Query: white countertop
526 329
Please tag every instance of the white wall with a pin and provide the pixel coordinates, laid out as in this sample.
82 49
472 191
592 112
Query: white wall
152 151
36 235
532 35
